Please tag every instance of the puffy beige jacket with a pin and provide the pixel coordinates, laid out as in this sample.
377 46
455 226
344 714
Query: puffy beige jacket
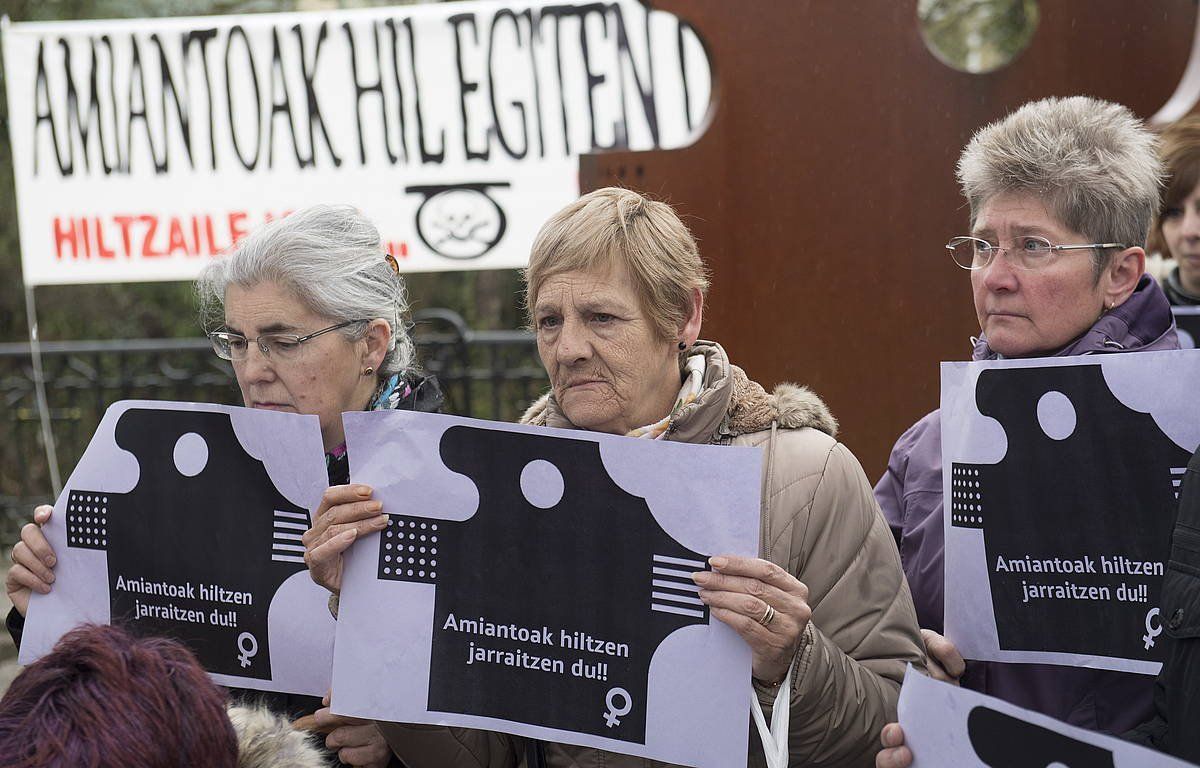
820 521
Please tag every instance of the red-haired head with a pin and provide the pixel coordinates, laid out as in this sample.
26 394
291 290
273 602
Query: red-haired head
103 698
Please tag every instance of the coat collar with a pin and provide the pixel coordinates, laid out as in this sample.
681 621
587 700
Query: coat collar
729 404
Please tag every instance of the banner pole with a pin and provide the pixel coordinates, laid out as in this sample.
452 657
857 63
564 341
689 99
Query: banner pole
39 385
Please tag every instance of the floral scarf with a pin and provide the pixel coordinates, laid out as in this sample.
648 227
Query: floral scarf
692 382
391 391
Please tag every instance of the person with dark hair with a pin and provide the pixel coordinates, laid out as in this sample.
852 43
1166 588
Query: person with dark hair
1175 235
103 698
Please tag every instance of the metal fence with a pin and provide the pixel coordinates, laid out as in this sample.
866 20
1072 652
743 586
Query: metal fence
485 374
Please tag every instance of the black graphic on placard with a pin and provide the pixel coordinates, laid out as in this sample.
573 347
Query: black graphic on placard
552 579
460 221
198 548
1094 489
1187 325
1002 741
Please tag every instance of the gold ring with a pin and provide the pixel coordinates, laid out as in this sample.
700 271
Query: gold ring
768 616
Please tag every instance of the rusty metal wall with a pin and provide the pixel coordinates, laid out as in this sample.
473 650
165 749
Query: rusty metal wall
823 188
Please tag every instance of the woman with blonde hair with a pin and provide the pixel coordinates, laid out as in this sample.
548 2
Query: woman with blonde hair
615 291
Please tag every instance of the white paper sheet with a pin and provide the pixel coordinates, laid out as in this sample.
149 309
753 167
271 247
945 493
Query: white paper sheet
183 520
1061 479
950 727
537 582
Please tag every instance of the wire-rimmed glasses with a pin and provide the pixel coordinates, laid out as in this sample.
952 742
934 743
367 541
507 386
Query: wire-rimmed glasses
1026 252
275 346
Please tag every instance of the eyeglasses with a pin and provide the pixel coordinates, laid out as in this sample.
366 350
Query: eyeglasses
276 346
1028 252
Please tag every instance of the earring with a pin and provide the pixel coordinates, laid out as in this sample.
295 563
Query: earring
369 371
682 346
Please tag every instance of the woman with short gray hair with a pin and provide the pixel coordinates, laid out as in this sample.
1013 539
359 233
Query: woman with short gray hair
310 311
1062 193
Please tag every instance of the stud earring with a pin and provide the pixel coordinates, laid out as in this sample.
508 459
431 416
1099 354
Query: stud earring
369 371
682 346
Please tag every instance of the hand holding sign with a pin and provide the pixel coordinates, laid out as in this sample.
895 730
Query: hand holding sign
346 511
894 753
33 562
764 604
945 662
357 742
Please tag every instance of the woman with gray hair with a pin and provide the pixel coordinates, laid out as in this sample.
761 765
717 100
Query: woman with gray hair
311 312
1062 193
615 291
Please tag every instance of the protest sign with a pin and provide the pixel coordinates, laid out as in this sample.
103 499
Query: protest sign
1061 480
538 582
184 520
1187 325
142 148
950 727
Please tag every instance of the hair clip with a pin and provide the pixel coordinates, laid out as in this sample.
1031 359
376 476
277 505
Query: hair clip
391 260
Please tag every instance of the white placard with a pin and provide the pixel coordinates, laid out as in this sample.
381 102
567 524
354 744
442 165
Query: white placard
142 148
950 727
184 520
1061 479
538 582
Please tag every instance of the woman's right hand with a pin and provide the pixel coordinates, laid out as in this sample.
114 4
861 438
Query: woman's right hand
346 512
33 562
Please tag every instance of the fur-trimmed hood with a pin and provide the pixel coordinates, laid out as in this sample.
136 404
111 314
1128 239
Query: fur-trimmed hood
267 740
730 404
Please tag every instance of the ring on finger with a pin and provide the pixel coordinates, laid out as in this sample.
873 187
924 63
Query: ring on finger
768 616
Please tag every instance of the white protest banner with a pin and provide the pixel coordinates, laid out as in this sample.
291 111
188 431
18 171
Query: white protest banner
1187 325
950 727
538 582
141 148
184 520
1061 479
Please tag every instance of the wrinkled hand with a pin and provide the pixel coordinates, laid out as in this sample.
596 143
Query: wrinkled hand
945 662
894 753
346 512
33 562
357 742
739 590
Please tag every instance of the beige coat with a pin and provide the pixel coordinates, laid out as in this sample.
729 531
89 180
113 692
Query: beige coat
820 521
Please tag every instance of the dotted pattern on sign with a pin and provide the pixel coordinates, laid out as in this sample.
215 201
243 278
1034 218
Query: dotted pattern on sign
87 520
966 497
409 549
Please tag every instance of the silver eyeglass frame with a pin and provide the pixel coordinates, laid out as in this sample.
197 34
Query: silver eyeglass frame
954 242
217 337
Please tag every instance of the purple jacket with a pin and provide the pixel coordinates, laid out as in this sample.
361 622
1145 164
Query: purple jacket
910 494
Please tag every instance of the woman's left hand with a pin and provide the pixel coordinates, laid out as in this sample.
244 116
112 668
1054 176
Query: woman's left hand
763 603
